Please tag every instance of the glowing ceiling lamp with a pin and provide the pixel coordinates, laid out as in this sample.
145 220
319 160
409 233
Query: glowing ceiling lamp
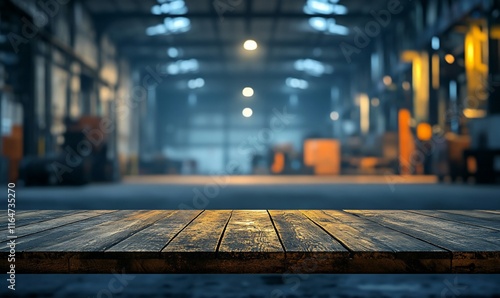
247 112
247 92
326 7
250 45
297 83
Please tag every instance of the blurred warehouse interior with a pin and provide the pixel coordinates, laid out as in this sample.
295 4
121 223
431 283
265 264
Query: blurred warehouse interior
95 90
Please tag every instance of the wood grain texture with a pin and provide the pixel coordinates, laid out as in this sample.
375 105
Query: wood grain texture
308 248
300 235
379 249
250 231
276 241
24 218
54 223
155 237
474 249
93 234
202 235
474 218
249 240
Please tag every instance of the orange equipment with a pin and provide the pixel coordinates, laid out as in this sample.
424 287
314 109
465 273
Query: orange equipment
323 155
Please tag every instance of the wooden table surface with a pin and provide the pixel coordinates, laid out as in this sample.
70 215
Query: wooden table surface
257 241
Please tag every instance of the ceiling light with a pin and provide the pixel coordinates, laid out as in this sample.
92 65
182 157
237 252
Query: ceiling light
387 80
247 112
170 26
328 26
175 7
318 23
297 83
247 92
449 58
178 7
435 43
324 7
177 25
156 10
173 52
312 67
250 45
196 83
183 66
334 116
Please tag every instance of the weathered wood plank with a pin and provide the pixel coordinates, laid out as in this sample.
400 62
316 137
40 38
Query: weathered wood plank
155 237
300 235
307 247
311 241
94 234
202 235
446 234
475 218
378 249
250 244
491 211
477 214
473 248
24 218
194 248
54 223
141 251
250 231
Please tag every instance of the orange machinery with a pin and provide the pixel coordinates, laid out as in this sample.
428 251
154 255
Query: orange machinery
324 155
12 149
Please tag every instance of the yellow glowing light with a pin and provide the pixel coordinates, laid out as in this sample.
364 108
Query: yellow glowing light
424 131
247 92
406 86
435 71
334 116
247 112
250 45
364 109
474 113
449 58
387 80
375 102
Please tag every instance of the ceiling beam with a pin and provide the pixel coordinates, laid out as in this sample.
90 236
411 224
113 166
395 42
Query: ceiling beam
111 17
151 58
332 41
250 75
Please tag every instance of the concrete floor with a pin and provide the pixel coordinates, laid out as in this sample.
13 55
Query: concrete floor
254 286
244 192
264 192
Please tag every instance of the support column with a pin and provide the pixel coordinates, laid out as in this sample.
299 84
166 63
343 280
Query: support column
434 84
49 146
72 32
